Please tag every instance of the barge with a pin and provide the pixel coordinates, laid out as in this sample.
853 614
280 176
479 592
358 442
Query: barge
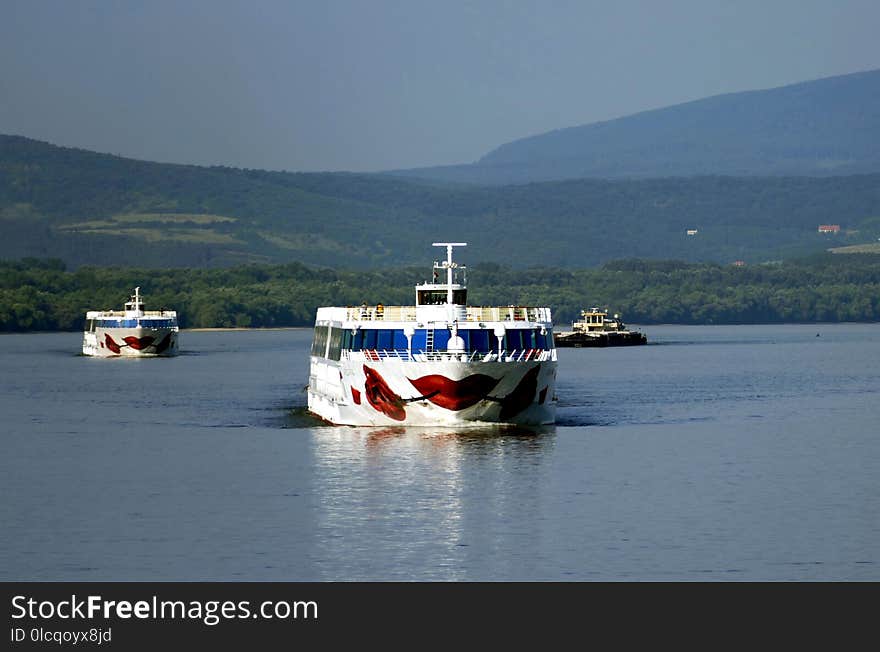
596 328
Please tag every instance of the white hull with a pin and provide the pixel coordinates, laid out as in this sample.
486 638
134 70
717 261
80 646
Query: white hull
130 342
360 391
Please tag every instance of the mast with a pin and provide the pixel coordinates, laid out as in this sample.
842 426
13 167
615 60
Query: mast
449 265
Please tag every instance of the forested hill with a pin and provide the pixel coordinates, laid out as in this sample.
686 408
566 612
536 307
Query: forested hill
97 209
822 127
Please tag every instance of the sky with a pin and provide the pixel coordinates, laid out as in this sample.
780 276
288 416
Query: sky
384 84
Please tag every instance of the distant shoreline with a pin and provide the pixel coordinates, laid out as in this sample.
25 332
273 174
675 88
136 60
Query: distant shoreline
182 330
633 326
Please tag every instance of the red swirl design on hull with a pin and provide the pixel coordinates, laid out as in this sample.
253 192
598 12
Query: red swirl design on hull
381 396
111 343
139 343
455 394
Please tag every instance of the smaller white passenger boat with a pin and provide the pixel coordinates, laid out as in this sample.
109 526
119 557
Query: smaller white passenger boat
133 332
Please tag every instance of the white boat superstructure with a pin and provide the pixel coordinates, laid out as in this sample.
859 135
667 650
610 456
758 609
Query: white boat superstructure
439 362
132 332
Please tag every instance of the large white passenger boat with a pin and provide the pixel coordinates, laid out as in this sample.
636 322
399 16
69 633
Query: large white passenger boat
133 332
439 362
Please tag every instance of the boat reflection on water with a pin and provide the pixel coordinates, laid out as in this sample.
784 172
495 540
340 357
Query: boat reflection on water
488 436
450 496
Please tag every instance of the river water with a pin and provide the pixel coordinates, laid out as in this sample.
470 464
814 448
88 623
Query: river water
713 453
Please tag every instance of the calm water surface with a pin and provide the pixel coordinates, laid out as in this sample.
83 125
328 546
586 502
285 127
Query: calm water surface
713 453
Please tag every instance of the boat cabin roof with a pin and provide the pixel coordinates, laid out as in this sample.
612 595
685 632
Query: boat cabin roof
438 303
134 308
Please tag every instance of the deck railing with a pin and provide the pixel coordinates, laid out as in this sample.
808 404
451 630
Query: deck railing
473 313
381 313
96 314
379 355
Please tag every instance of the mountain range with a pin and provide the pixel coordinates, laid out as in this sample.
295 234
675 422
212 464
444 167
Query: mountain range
823 127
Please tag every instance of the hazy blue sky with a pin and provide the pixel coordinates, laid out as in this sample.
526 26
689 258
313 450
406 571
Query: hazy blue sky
379 84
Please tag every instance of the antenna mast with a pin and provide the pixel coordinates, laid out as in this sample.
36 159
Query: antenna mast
449 265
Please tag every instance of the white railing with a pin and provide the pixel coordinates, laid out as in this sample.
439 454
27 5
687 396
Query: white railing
379 355
472 314
508 313
381 313
95 314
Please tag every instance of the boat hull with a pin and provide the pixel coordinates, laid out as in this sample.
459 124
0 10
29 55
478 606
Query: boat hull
611 338
391 391
130 342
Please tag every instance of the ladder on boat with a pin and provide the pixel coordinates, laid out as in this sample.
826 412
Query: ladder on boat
429 341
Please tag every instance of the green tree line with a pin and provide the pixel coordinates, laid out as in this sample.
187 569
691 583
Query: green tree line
44 295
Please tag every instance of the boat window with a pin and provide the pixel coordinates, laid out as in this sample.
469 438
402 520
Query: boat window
475 340
335 336
441 339
384 340
157 323
378 339
438 297
369 338
480 340
545 341
399 342
420 340
540 341
430 298
319 343
514 340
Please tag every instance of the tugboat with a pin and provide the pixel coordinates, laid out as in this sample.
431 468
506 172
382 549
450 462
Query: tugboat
133 332
596 328
438 362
